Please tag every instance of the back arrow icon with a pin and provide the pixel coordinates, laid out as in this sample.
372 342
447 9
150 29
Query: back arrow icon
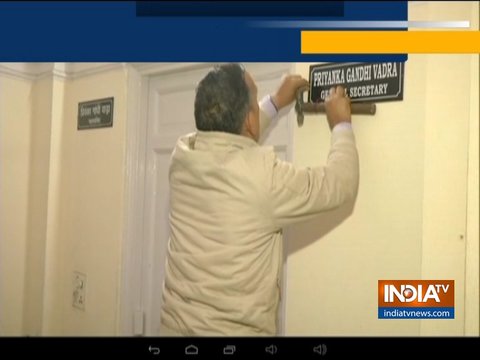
154 350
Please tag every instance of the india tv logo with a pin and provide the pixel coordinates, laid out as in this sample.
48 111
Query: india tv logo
416 299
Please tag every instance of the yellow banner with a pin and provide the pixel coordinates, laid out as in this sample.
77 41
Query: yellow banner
390 42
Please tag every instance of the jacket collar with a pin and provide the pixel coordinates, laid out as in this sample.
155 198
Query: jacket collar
216 140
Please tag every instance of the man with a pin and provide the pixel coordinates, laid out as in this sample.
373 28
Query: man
230 199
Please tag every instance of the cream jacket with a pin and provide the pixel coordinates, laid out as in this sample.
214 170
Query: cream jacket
229 200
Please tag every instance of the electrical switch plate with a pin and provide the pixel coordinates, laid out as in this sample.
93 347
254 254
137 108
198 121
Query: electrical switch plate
79 290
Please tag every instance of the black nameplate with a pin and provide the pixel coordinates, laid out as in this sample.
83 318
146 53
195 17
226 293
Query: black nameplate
95 114
364 82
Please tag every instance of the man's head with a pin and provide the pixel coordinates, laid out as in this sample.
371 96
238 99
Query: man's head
226 100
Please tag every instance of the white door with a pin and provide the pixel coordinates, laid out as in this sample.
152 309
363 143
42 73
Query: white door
170 115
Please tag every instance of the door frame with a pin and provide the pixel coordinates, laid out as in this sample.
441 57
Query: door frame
130 306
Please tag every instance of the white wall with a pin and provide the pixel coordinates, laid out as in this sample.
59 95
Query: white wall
334 263
61 202
411 208
38 204
15 152
450 114
472 300
91 212
54 276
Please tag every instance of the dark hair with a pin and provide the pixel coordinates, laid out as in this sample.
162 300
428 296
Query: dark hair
222 100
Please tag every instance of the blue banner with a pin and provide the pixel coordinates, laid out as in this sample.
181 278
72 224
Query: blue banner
113 31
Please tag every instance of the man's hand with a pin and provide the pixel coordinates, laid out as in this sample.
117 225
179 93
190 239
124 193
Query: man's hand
337 106
287 91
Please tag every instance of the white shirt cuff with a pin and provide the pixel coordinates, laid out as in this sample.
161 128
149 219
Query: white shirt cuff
342 126
268 108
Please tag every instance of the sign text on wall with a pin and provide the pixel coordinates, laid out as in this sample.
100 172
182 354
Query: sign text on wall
95 114
365 82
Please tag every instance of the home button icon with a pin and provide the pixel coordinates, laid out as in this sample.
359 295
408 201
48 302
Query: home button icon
191 350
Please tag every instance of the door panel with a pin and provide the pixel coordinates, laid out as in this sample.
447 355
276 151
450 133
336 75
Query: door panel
170 115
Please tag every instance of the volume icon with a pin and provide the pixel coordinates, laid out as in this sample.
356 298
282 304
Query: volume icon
320 349
272 349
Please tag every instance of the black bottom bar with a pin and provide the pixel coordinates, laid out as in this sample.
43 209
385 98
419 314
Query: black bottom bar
241 348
